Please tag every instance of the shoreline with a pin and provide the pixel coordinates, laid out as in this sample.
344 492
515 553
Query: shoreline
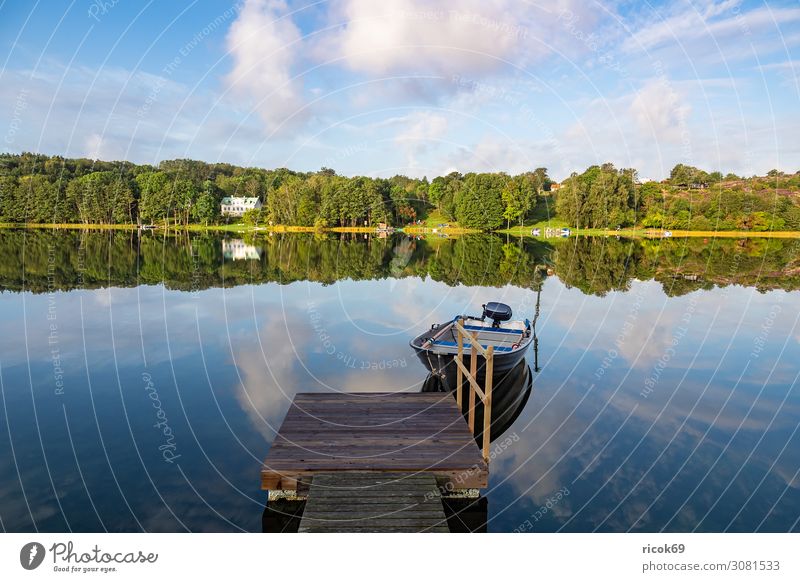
416 230
659 233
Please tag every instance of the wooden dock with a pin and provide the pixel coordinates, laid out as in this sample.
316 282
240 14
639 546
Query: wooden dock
382 432
373 502
374 461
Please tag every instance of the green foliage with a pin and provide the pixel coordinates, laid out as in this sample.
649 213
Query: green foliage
102 198
653 220
252 217
601 197
520 193
437 191
479 202
683 175
38 188
34 198
206 209
62 260
154 204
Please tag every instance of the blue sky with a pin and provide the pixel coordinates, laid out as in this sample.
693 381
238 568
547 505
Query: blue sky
406 86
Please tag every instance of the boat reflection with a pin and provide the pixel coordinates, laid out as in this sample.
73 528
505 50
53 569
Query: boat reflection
509 396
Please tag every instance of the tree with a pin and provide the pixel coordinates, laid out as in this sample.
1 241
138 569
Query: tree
9 205
283 202
102 197
681 175
308 206
38 199
519 194
206 209
185 194
653 220
252 217
601 197
437 191
650 197
479 203
155 197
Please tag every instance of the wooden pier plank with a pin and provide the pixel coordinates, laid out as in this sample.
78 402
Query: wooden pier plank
411 433
373 502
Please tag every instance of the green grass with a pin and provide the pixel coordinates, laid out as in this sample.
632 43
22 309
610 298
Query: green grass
653 232
435 218
236 227
432 222
541 224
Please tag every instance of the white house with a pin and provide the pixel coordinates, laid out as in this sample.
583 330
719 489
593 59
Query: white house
238 205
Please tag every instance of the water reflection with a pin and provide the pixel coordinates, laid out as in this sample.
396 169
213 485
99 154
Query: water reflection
666 397
235 249
510 394
194 261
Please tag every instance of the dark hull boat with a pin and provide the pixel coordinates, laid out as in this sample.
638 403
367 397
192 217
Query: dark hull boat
509 396
437 346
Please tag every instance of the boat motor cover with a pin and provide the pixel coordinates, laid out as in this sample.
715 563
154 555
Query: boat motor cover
497 311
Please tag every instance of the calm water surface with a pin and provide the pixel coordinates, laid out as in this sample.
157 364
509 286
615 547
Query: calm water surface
144 379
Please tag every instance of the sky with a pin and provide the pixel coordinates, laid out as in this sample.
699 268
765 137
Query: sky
415 87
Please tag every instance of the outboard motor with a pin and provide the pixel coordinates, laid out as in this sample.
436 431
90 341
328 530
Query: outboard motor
497 312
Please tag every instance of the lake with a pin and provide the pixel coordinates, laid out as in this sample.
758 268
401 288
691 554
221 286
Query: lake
144 377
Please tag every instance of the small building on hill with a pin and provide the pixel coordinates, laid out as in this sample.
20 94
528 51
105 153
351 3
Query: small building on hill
238 205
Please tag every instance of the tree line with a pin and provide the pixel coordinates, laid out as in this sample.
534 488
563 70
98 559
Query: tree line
189 261
691 199
36 188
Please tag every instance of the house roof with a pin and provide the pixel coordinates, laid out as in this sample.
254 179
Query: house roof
241 200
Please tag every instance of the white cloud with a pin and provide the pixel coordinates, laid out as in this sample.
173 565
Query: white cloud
504 77
113 113
688 24
658 110
665 122
264 44
441 37
783 65
445 38
421 134
493 154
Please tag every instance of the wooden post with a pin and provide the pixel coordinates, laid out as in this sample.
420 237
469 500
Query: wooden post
473 370
487 402
459 373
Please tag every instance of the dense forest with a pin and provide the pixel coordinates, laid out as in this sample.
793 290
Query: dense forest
36 188
47 261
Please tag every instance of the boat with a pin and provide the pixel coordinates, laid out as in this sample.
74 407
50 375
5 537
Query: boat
510 394
536 232
437 346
